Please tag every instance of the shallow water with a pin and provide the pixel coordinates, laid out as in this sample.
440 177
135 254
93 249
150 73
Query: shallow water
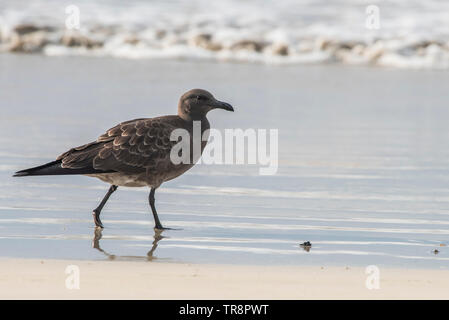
363 168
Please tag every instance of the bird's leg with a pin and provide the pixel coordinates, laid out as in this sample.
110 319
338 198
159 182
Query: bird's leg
158 224
97 211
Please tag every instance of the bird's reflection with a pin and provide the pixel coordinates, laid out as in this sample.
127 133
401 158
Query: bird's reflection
150 255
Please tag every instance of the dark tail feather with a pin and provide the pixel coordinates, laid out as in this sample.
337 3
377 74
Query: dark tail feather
54 168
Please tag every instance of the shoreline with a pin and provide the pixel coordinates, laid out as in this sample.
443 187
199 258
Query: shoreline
46 279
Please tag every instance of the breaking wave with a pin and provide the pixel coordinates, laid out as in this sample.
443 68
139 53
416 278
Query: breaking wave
412 34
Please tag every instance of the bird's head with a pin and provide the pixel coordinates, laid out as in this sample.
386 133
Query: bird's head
196 103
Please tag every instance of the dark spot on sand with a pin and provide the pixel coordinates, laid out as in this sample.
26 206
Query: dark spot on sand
306 246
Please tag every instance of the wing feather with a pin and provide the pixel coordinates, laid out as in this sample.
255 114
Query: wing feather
136 146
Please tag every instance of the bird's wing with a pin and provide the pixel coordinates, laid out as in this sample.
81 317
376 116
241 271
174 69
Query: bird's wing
134 146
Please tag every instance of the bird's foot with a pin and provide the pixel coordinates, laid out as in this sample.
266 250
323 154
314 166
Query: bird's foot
161 228
97 221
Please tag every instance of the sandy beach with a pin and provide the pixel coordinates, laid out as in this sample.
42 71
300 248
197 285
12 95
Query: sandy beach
46 279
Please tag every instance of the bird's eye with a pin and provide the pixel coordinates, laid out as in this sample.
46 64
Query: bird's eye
200 98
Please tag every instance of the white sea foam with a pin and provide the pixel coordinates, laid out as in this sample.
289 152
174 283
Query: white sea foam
412 34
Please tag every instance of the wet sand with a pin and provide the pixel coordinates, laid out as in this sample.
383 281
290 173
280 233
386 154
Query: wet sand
46 279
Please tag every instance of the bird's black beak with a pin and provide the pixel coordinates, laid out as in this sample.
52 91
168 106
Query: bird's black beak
222 105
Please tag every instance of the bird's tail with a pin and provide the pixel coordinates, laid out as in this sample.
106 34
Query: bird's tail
54 168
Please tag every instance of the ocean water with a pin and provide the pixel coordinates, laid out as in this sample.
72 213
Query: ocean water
363 172
399 34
